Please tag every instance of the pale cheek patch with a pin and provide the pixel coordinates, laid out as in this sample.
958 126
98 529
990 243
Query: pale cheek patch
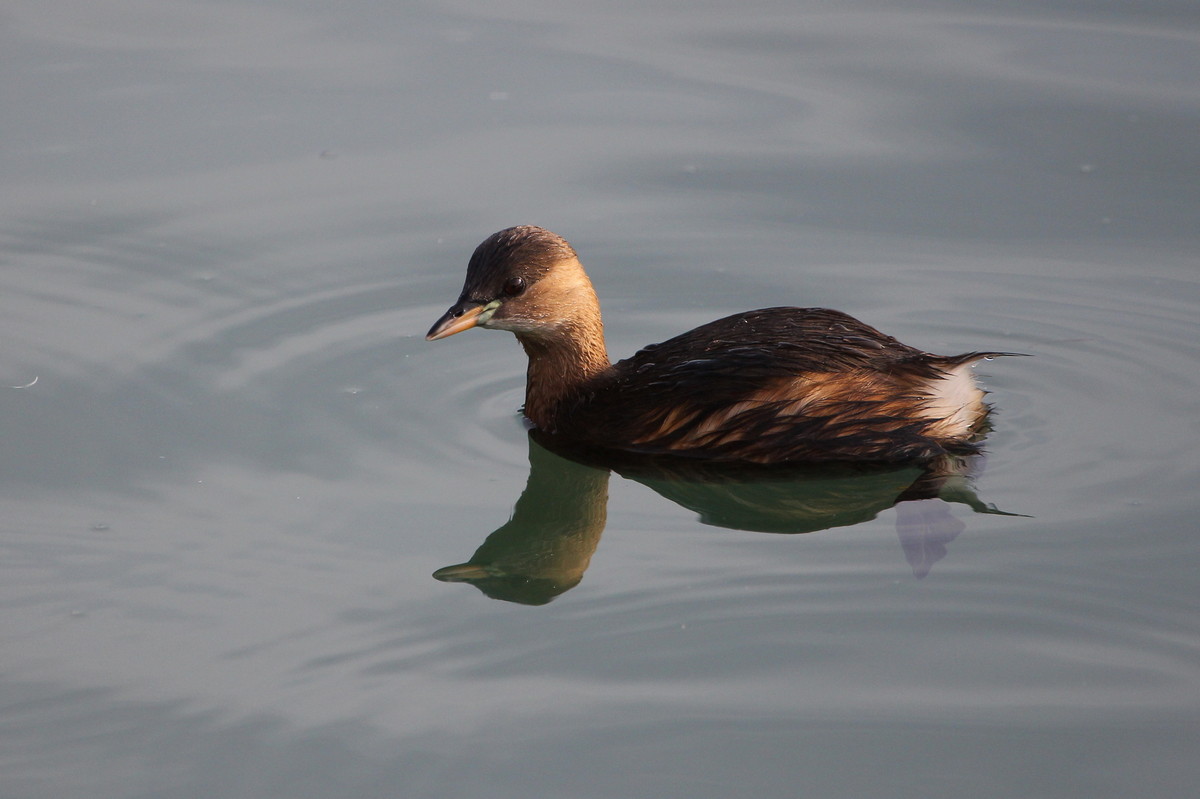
485 316
525 326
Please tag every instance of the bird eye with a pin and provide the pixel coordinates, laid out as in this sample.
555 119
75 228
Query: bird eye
514 287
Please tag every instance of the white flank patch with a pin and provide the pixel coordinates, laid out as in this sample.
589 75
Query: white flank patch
955 400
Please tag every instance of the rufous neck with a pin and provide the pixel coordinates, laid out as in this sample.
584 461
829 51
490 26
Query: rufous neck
560 364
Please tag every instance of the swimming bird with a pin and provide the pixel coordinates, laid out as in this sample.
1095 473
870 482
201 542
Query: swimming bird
770 386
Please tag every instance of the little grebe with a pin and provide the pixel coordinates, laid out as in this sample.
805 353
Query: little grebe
776 385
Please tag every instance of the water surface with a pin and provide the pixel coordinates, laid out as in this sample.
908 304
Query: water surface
231 464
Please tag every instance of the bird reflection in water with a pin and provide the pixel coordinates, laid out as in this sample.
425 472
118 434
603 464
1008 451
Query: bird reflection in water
545 548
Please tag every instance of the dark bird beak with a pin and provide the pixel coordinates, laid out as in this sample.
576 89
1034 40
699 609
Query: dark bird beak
462 316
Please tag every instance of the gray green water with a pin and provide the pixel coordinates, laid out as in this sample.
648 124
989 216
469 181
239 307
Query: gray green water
230 464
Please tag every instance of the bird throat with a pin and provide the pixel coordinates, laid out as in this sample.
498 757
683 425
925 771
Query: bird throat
560 366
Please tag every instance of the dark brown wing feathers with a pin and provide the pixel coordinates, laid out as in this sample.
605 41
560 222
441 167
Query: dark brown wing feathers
775 384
